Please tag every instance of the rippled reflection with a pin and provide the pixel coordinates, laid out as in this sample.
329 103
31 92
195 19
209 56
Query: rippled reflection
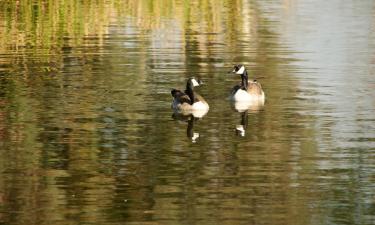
86 133
190 121
241 128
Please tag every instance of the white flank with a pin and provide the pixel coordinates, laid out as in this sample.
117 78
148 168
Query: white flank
199 113
198 109
199 106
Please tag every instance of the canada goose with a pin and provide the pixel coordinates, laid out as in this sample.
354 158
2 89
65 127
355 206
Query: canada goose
247 91
189 101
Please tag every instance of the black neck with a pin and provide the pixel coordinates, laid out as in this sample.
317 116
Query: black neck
244 78
189 91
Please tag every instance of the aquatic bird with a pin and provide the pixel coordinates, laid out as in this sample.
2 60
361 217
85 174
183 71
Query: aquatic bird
188 101
250 92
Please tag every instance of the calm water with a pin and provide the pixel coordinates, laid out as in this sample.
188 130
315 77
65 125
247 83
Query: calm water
87 135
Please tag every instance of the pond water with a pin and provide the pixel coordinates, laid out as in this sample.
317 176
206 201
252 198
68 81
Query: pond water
87 135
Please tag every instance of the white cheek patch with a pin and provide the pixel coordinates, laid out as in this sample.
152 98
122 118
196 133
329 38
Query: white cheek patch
241 70
194 82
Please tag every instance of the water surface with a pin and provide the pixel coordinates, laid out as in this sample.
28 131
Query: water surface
87 135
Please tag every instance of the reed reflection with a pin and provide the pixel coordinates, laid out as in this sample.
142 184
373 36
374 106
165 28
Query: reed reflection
66 64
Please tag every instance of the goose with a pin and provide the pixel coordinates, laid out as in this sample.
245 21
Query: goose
188 101
249 92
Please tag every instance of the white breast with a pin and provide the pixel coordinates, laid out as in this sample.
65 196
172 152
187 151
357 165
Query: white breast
244 96
241 95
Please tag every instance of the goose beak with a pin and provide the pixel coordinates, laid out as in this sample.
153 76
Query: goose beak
232 71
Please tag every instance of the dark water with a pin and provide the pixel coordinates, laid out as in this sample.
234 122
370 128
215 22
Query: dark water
87 135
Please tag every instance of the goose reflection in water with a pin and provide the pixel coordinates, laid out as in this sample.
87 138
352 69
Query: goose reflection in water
241 128
190 119
244 108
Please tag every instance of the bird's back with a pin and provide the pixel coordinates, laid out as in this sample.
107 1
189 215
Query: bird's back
254 88
180 96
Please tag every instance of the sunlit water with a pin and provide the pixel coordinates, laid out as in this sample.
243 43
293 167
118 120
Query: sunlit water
87 135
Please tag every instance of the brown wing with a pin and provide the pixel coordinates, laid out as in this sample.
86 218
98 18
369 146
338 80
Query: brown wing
180 96
254 88
198 98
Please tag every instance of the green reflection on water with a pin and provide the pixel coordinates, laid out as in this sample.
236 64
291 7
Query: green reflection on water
81 142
